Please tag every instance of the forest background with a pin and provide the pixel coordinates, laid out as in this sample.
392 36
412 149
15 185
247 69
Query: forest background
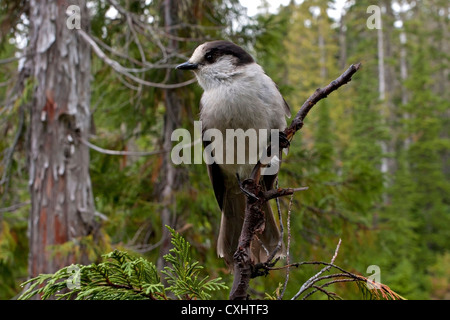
375 155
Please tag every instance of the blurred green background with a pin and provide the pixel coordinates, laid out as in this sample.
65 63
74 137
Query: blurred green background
375 154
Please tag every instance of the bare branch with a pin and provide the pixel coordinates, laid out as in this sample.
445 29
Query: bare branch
315 278
330 294
14 207
123 55
136 39
125 71
297 122
280 241
144 26
12 59
133 153
288 248
122 153
276 193
318 95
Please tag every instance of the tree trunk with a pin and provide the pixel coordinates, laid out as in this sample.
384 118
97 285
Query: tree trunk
382 89
62 209
404 77
386 166
381 77
171 122
342 43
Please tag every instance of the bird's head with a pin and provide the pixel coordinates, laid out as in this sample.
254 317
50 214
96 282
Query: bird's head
217 62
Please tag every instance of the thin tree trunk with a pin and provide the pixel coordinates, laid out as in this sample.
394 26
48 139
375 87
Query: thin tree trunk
321 45
384 111
342 42
62 206
381 76
404 77
171 122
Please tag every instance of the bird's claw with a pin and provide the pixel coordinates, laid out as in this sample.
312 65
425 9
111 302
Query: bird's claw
245 191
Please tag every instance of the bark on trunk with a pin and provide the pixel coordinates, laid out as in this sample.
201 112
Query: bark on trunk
61 194
171 122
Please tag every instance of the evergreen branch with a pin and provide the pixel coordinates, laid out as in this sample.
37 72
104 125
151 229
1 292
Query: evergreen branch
123 277
183 274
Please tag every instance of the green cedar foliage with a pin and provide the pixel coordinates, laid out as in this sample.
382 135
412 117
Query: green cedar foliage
123 277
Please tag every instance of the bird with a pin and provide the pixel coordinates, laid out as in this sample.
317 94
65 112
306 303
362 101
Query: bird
237 94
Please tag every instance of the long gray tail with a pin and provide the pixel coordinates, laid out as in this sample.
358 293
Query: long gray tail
231 225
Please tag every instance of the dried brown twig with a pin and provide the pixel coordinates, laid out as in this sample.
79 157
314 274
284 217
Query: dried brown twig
319 282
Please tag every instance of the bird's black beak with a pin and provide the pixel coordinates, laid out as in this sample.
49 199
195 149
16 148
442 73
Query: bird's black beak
187 66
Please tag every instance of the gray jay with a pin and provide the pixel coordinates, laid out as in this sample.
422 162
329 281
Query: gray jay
237 95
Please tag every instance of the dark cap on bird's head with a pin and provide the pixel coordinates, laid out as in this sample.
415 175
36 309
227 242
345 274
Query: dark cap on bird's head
210 52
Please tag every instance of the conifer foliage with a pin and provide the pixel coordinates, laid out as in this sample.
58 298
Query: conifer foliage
124 277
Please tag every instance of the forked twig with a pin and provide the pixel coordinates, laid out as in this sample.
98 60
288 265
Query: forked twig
315 278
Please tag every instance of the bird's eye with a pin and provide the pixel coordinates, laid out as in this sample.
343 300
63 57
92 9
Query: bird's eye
209 57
